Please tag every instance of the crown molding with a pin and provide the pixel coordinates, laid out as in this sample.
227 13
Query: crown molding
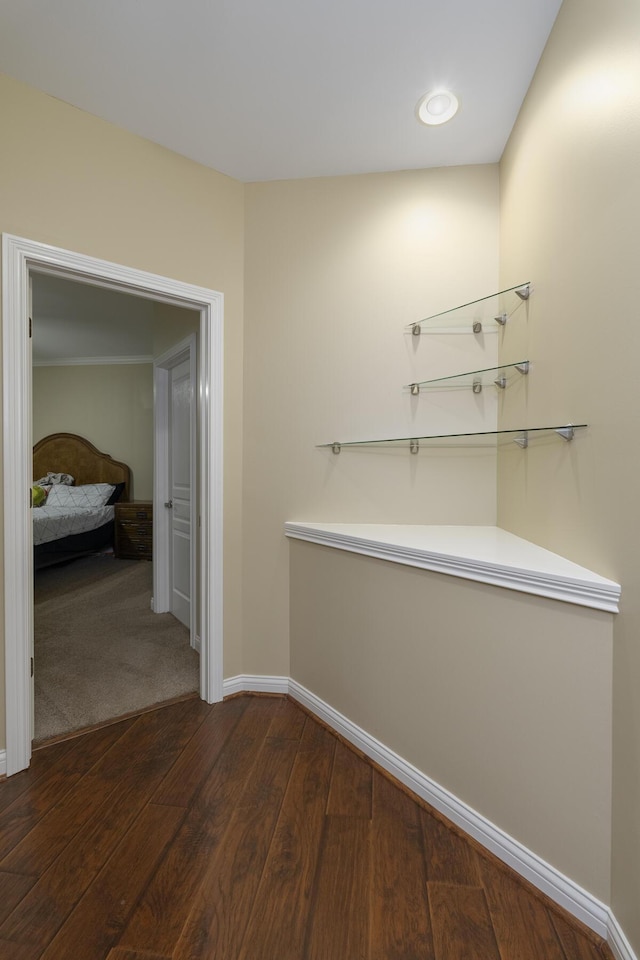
91 361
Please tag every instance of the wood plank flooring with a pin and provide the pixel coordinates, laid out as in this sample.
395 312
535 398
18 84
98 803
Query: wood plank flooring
247 831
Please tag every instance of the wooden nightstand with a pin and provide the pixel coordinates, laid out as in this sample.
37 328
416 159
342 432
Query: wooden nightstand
134 530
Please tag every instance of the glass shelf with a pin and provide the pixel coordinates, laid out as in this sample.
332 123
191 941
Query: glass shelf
484 438
470 317
499 377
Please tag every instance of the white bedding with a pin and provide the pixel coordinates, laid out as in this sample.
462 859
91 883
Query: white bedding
53 523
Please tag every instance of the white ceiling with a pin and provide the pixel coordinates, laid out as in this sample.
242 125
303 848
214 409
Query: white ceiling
76 320
287 88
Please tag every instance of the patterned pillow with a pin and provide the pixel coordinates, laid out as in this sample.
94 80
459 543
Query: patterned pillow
88 495
53 478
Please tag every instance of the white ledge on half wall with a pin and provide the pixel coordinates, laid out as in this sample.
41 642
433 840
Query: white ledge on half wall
485 554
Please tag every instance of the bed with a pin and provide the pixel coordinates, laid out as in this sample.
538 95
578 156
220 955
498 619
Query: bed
75 519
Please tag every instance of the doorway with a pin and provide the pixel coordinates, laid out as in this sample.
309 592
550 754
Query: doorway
101 648
21 259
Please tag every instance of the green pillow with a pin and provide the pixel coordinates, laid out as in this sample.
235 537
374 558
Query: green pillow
38 495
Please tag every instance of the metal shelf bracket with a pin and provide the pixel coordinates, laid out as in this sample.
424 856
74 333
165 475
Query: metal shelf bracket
523 292
414 446
415 389
523 441
501 382
477 386
567 433
523 368
335 447
501 319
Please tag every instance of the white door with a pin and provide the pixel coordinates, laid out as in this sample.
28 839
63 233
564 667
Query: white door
180 489
175 485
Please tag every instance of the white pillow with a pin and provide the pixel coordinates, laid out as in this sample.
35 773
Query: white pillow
89 495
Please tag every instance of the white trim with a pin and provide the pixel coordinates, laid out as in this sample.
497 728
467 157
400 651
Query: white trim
177 353
248 683
161 544
20 258
91 361
18 535
578 902
210 495
3 763
184 350
620 946
546 878
484 554
559 888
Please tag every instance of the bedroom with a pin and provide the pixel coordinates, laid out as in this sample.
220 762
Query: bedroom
93 377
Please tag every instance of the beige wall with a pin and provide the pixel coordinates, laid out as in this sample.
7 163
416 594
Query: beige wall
571 220
335 268
172 325
72 180
109 405
502 698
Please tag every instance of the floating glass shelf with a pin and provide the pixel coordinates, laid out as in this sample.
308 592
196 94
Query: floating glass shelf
495 309
476 379
484 438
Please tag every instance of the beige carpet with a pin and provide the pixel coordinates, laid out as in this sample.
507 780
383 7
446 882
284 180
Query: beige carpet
100 652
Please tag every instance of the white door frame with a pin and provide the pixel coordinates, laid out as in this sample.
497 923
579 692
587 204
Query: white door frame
20 258
162 366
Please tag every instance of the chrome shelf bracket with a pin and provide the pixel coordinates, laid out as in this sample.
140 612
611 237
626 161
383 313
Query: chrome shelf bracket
523 292
501 382
520 436
501 319
477 326
476 386
416 330
415 389
523 368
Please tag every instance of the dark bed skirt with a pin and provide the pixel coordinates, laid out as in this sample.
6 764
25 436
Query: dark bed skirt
68 548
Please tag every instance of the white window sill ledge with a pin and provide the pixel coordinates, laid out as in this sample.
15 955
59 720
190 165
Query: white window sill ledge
485 554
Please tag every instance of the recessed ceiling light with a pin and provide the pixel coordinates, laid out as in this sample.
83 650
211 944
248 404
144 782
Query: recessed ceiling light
436 107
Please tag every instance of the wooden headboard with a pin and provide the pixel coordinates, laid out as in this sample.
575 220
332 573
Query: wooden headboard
68 453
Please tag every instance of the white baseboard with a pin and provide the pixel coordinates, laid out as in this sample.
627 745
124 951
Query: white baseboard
251 683
559 888
620 946
563 891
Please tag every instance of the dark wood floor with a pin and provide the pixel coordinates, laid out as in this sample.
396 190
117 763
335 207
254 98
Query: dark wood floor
246 831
